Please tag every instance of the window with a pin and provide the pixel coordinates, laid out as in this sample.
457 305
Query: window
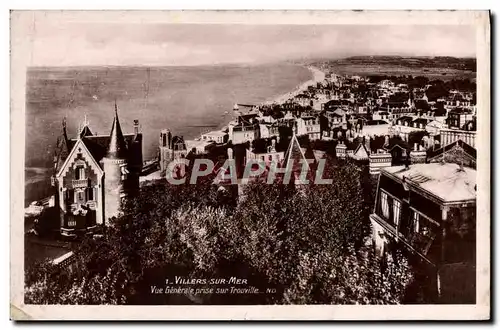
415 221
81 196
397 211
90 193
71 223
384 204
79 173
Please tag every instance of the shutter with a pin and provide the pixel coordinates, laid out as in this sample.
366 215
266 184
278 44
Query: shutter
77 173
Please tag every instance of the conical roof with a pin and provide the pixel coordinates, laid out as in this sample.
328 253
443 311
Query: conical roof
117 146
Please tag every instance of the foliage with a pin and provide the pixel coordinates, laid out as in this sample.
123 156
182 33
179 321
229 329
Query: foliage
307 242
356 277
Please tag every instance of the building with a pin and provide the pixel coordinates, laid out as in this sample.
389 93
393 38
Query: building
396 110
358 149
434 127
375 128
93 174
457 152
309 125
269 130
461 119
268 152
171 147
379 160
198 146
219 137
245 129
448 136
429 210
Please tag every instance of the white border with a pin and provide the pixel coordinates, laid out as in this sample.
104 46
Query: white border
20 56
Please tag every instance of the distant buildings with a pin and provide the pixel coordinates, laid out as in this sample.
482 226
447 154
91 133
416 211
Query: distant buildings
171 147
219 137
309 125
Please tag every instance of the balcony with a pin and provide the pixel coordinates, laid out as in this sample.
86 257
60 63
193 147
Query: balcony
419 242
388 228
79 183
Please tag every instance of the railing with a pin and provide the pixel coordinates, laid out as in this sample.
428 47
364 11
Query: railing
79 183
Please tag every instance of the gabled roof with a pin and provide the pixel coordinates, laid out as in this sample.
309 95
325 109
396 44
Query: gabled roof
79 147
421 121
98 145
361 146
396 143
468 149
295 158
85 131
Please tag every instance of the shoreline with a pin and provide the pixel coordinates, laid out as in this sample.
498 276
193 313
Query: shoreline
317 76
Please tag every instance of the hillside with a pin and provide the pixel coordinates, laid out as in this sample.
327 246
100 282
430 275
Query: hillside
443 67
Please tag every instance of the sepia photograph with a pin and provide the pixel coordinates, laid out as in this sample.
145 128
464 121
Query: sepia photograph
246 159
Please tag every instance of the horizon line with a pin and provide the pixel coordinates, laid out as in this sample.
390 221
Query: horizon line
290 61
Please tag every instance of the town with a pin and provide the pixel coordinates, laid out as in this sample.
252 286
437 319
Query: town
415 137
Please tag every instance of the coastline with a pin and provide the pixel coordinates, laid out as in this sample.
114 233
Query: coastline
317 76
39 184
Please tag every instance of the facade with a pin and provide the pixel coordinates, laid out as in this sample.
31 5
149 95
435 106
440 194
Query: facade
219 137
171 147
429 210
93 174
309 125
461 119
270 154
448 136
244 133
379 160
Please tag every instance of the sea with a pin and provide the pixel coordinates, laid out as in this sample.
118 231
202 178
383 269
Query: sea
187 100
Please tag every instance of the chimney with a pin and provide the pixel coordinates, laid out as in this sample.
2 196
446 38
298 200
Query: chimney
229 153
415 147
136 127
386 143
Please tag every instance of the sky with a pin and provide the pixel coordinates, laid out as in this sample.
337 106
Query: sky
74 44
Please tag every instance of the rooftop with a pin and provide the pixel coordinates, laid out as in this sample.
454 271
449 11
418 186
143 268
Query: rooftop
446 181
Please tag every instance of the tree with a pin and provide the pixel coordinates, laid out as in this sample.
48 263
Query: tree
356 277
306 242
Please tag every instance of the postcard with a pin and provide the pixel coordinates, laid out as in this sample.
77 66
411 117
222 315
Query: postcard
250 165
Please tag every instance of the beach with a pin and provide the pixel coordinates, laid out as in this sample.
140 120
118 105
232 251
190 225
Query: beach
317 76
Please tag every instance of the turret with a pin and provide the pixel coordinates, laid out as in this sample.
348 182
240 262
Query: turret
115 170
